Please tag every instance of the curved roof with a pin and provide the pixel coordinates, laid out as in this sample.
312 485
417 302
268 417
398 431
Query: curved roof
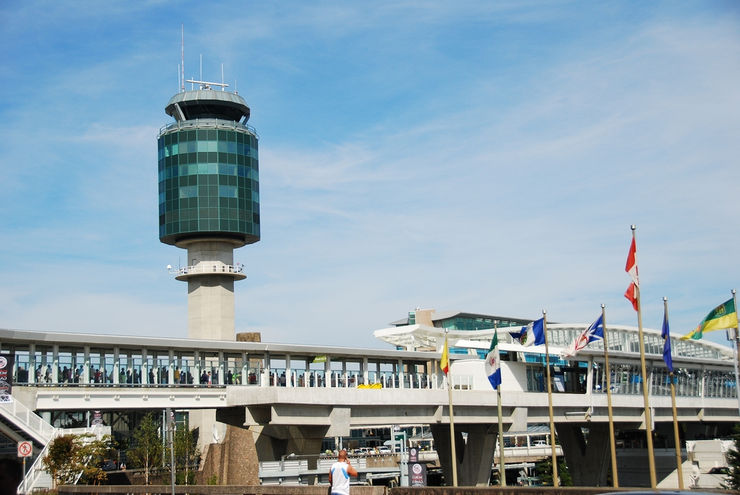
207 104
623 341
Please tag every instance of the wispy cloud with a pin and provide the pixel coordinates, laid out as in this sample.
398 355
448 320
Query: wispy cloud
481 156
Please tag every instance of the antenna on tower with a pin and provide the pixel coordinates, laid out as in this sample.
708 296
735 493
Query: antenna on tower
223 87
201 66
181 75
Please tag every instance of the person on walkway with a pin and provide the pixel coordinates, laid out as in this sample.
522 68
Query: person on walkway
339 474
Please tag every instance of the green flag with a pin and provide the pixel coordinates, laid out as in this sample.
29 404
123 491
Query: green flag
721 317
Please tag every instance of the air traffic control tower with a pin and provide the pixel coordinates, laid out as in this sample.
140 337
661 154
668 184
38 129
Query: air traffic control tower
209 199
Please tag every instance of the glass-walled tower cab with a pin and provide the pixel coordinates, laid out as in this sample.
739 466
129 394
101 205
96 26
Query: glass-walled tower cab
209 200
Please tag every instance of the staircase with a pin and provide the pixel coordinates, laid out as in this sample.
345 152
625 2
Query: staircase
19 423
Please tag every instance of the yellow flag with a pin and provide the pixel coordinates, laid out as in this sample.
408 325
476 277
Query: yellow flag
444 363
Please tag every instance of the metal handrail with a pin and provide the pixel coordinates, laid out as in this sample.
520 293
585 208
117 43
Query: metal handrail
205 123
207 268
37 469
25 417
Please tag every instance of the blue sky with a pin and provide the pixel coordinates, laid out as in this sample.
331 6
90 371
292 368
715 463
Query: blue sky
471 155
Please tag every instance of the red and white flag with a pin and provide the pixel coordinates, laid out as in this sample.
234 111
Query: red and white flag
631 268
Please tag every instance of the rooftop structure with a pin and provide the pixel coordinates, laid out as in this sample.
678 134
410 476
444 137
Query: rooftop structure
471 333
209 199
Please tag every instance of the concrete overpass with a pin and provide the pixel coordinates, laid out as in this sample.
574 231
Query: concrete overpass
293 396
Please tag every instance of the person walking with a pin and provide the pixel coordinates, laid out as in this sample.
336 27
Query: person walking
339 474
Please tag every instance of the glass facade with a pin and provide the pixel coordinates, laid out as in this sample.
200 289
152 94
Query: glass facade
208 182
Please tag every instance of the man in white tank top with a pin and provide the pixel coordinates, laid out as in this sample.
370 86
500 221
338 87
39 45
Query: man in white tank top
339 474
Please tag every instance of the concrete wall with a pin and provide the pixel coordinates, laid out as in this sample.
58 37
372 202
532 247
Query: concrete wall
232 462
513 374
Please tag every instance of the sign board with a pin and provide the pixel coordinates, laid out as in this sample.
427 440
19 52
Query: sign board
417 474
97 418
6 377
413 455
25 449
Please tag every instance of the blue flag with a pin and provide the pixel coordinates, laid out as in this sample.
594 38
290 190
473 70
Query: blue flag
666 334
493 363
533 334
594 332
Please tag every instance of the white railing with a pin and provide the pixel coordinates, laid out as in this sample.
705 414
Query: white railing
208 268
207 123
29 421
37 474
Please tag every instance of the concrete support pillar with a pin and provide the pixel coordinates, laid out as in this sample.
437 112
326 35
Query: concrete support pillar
129 366
327 372
399 368
32 363
221 374
171 368
590 376
44 367
144 368
474 457
288 372
85 378
275 442
365 371
116 366
55 364
588 462
196 365
244 379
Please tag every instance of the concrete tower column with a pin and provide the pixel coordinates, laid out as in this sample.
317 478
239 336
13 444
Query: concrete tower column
210 275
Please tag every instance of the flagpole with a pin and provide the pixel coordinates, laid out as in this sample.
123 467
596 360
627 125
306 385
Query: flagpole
646 401
501 460
737 352
452 421
555 479
608 372
676 439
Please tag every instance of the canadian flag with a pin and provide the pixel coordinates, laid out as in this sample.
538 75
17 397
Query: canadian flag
631 268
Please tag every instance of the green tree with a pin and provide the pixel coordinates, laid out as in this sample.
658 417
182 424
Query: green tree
733 461
186 454
544 472
77 458
146 451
